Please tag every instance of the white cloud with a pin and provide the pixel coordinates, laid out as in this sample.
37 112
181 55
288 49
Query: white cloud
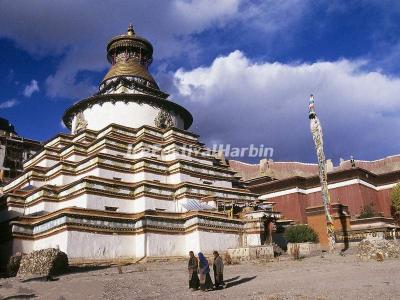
170 25
78 33
8 104
195 16
31 88
272 16
241 101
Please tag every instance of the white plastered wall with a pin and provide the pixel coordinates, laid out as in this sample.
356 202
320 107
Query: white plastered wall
75 158
129 114
253 239
100 202
91 245
210 241
145 203
49 206
165 244
46 163
100 246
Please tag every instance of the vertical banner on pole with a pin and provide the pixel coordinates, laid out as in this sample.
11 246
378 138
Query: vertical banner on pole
316 131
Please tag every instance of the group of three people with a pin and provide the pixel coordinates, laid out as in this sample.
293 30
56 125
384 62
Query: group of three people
199 272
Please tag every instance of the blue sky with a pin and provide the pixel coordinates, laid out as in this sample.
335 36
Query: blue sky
244 69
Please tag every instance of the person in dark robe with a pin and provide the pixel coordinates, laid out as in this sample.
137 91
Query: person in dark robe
193 265
206 283
218 268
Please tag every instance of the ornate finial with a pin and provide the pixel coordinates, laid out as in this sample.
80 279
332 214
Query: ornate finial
130 30
311 108
352 161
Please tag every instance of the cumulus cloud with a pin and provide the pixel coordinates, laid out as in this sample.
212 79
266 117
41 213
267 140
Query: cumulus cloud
31 88
8 104
239 101
77 34
196 16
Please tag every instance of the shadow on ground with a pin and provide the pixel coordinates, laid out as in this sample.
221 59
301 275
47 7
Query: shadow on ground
232 279
84 269
233 282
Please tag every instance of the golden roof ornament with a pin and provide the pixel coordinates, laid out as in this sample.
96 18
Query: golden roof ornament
130 30
130 55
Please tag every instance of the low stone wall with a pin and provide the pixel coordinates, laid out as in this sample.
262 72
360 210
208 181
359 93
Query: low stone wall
372 223
250 253
356 236
305 249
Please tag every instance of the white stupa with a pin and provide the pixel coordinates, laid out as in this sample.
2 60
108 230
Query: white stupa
128 94
129 181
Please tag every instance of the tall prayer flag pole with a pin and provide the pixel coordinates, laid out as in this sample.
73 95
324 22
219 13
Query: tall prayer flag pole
316 131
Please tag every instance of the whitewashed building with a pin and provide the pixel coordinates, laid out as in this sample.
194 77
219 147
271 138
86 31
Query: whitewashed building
129 181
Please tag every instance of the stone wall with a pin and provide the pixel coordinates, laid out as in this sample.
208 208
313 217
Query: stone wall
305 249
250 253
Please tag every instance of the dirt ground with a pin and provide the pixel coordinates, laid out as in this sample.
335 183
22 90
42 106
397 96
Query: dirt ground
329 277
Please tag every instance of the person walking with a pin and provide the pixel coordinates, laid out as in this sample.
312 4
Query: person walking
206 283
193 265
218 268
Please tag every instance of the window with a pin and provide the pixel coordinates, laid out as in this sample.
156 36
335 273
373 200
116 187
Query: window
110 208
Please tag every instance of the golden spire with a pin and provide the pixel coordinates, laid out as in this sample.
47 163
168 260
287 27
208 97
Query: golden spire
130 30
130 56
